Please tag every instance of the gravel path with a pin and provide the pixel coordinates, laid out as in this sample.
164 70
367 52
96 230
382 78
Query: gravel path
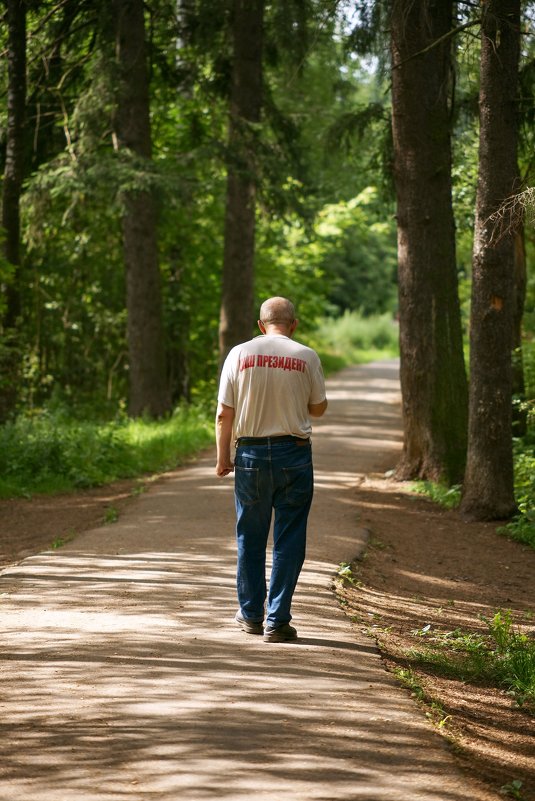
124 676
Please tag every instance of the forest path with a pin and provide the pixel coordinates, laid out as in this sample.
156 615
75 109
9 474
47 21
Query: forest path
125 677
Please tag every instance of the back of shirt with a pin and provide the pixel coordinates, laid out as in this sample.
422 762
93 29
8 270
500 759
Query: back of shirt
269 382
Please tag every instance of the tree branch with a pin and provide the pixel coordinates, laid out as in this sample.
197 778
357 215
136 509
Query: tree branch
438 41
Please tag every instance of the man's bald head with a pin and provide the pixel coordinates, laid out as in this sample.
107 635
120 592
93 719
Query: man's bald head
277 310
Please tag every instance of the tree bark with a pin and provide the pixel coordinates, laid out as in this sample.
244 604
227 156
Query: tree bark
149 392
488 492
11 192
14 166
433 379
237 314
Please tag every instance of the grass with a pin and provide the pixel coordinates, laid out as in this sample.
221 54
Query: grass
448 497
354 339
513 790
435 711
504 657
345 573
111 515
53 453
522 527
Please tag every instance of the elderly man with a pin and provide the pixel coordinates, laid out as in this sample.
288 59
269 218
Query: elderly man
269 389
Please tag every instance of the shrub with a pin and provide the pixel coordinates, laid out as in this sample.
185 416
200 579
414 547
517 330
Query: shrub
357 338
52 452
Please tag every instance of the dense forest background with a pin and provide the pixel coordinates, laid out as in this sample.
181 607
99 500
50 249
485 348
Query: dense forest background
168 165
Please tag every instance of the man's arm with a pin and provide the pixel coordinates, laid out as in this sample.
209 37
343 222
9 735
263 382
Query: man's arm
317 409
223 435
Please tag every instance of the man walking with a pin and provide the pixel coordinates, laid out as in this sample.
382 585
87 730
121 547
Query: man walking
269 389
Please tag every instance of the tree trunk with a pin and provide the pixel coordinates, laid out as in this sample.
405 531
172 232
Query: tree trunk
237 314
11 192
149 393
488 492
433 379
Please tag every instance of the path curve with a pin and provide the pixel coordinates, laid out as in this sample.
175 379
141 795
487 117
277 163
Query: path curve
124 676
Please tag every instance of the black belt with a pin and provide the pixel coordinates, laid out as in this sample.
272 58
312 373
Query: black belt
269 440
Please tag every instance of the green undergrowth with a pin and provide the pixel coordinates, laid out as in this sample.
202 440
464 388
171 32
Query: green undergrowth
448 497
355 339
332 361
411 681
522 526
503 656
52 452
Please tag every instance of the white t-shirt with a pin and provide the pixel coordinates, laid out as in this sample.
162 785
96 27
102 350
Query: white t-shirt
269 382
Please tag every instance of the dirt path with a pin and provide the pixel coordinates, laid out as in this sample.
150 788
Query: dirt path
124 676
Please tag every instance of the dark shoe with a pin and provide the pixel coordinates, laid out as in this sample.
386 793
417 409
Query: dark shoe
250 626
284 633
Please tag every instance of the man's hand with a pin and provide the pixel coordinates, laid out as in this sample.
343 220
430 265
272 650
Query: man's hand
223 433
223 469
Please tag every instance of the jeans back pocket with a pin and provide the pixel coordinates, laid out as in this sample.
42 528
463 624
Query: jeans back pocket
299 484
246 484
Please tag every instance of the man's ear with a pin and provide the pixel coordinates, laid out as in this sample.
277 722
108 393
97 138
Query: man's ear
261 326
294 326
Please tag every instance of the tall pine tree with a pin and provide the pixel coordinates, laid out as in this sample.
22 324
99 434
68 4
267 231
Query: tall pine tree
11 194
237 315
149 391
433 377
488 491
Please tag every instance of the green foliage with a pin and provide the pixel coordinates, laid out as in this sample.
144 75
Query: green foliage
345 573
358 254
504 656
331 362
522 527
288 264
528 357
345 260
59 542
111 515
448 497
336 351
464 183
358 338
323 253
53 452
409 680
7 272
513 789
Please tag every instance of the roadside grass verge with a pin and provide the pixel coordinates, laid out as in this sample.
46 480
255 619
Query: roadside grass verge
435 711
503 657
354 339
53 453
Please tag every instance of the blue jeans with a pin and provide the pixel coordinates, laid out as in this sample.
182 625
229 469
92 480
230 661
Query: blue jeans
271 476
